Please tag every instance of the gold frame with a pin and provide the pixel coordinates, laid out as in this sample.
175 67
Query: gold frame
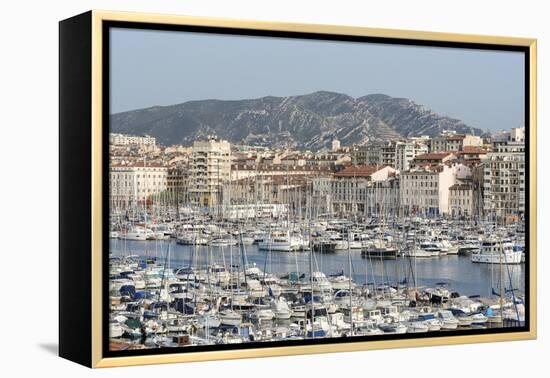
99 16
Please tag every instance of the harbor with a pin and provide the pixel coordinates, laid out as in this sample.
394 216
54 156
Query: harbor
179 283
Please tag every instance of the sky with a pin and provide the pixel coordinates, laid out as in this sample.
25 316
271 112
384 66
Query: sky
483 88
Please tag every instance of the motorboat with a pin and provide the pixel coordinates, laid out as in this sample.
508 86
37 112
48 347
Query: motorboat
493 251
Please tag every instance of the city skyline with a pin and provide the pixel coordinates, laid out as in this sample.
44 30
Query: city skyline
485 89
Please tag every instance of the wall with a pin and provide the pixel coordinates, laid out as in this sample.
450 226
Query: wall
29 89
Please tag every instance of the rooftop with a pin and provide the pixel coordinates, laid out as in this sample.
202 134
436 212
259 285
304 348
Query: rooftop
359 170
433 156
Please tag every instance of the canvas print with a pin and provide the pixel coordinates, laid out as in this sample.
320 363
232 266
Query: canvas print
283 191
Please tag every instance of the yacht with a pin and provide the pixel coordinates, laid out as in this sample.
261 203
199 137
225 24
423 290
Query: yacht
448 321
416 326
262 314
280 309
381 250
136 233
230 317
493 251
281 241
424 250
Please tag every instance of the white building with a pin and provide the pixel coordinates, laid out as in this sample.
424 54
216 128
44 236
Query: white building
426 190
335 145
405 152
126 140
351 188
136 182
504 178
454 142
210 168
377 153
462 200
321 194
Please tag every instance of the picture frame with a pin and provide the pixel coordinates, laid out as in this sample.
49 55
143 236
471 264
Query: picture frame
84 119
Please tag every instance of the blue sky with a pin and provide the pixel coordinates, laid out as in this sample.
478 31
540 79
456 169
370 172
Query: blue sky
483 88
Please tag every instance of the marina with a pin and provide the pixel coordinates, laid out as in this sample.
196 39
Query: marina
213 281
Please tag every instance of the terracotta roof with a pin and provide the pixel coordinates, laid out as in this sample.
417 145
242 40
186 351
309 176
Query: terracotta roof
473 150
359 170
138 165
433 156
274 180
279 168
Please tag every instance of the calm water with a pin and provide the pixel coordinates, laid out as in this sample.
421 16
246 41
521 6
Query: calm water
458 271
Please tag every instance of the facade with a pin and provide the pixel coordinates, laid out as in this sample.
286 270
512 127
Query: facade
321 194
267 190
504 179
244 171
426 190
177 183
127 140
405 152
351 187
387 154
134 183
454 142
210 168
462 200
377 153
383 197
368 154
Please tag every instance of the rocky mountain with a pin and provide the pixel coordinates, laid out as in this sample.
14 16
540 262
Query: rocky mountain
309 121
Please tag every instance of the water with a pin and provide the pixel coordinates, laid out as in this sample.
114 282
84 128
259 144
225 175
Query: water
458 272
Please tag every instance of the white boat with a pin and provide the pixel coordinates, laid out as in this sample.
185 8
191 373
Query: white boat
479 319
416 327
341 245
281 242
342 298
321 282
280 309
246 240
209 321
493 251
432 248
262 314
448 321
355 244
223 242
341 282
135 233
393 328
446 245
115 329
430 321
218 273
319 328
420 251
178 290
230 317
254 288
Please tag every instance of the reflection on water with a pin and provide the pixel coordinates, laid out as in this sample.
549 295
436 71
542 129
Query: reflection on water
458 271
